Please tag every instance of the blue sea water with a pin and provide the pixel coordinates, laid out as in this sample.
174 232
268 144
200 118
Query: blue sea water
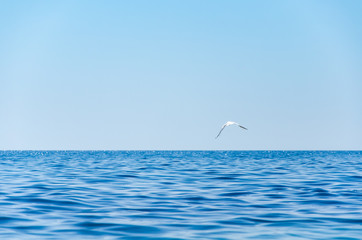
180 195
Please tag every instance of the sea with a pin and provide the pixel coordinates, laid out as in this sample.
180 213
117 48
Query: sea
181 195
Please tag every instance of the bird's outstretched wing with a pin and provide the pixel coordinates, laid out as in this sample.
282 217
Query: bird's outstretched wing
242 127
222 128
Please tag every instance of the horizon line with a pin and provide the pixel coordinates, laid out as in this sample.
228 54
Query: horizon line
186 150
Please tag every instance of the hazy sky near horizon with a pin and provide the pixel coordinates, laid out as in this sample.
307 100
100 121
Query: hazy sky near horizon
129 75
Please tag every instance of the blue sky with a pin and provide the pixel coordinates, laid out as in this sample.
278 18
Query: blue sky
128 75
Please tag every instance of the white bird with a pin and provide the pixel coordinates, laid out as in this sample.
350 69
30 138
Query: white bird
228 124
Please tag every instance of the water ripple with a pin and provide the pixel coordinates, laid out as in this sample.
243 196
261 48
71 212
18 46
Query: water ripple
180 195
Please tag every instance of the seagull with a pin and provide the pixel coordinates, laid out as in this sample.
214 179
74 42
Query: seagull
228 124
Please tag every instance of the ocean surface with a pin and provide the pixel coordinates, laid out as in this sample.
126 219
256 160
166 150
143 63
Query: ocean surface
180 195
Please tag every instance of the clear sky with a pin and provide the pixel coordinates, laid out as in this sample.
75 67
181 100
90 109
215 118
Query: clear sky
164 74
